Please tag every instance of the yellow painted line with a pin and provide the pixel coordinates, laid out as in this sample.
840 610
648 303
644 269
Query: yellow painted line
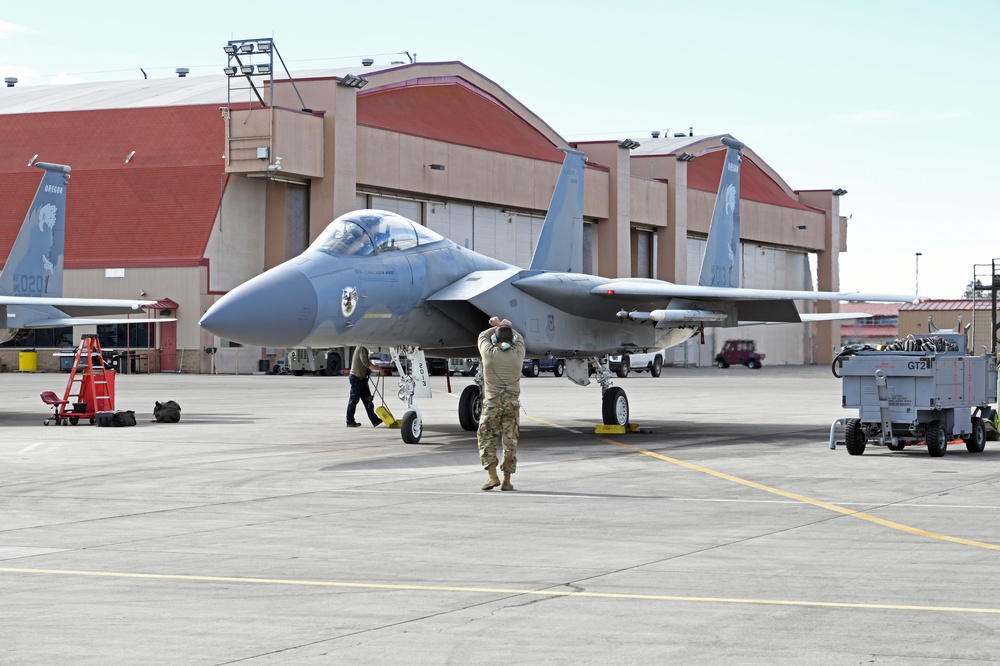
808 500
502 590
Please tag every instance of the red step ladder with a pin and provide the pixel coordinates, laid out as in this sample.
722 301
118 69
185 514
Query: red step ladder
91 386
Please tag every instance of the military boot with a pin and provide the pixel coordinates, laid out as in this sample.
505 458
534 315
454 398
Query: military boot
507 485
493 481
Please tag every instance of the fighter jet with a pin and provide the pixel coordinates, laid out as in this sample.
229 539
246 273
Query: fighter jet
378 279
31 283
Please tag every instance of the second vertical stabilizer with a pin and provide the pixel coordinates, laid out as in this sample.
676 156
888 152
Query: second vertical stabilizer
721 265
560 245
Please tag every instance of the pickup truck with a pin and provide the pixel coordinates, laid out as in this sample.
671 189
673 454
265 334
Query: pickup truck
622 365
534 366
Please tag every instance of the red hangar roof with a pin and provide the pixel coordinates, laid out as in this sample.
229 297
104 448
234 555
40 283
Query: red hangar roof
755 184
156 209
450 109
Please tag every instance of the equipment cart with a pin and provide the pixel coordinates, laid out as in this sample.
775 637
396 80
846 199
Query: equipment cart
932 395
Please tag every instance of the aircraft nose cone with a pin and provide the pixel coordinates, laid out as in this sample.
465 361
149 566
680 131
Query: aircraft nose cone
275 309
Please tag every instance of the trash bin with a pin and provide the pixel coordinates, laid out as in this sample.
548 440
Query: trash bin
123 363
66 356
27 361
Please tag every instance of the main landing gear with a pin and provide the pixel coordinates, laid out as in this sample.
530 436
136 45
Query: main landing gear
614 402
470 405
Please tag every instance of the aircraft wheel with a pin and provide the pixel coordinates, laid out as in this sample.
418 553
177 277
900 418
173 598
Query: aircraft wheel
623 367
470 407
615 407
411 429
855 437
559 369
657 367
976 441
936 440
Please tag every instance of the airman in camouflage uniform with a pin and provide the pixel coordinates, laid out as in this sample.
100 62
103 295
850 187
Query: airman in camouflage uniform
502 352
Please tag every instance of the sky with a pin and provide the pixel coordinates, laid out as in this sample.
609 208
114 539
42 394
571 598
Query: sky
895 101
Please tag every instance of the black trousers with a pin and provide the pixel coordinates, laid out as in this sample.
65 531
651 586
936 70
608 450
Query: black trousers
361 392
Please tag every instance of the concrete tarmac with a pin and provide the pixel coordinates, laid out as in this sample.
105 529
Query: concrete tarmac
260 530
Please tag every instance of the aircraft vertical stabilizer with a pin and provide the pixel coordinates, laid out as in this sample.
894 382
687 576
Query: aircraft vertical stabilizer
721 265
35 264
560 245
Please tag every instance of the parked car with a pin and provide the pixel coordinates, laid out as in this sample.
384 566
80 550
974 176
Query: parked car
534 366
466 366
437 366
652 361
739 352
383 361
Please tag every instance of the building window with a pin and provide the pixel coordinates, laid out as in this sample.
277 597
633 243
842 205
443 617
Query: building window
41 337
121 336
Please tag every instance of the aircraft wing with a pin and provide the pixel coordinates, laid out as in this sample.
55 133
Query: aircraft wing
80 306
647 288
91 321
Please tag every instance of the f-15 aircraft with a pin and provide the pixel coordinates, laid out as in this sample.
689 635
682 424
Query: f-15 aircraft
377 279
31 283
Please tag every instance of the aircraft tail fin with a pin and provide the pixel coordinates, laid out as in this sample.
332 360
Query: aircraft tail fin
35 264
560 245
721 265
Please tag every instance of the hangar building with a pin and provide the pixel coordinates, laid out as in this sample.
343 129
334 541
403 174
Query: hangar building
182 188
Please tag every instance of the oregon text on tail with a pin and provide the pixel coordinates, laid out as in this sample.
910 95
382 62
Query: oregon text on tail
35 264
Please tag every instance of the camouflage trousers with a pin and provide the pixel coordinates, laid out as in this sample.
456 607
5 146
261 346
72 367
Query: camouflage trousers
499 421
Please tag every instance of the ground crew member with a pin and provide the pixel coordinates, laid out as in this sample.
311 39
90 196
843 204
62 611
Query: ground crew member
361 368
502 352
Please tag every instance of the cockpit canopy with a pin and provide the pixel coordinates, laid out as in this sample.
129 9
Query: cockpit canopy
367 232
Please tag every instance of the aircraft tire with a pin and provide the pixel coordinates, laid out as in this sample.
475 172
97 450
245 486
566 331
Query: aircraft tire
470 407
976 441
615 407
936 440
411 429
657 366
855 437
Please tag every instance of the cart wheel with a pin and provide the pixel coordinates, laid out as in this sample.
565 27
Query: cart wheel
64 422
976 441
896 447
411 427
936 440
855 437
45 422
74 420
93 421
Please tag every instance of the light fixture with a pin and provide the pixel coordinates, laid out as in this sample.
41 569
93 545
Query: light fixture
182 71
246 47
264 69
264 47
230 71
628 144
246 70
10 81
230 49
801 227
685 157
352 81
839 192
436 167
